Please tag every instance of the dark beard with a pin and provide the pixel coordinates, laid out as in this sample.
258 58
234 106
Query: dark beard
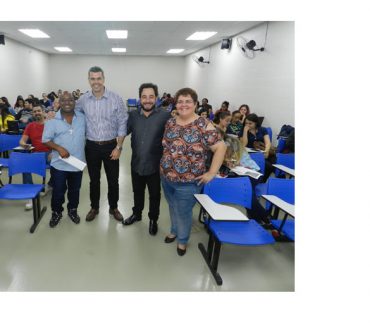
148 110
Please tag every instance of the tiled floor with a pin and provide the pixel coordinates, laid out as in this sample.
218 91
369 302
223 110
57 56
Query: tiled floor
105 256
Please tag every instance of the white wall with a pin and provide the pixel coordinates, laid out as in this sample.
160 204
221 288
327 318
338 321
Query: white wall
265 83
123 74
23 71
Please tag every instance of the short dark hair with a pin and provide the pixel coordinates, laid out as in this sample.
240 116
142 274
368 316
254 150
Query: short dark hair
96 69
226 103
254 118
185 92
148 85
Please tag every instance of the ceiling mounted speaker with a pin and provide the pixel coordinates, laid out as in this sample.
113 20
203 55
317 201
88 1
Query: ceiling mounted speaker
226 44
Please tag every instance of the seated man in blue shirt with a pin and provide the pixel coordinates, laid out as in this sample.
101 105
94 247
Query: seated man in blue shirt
65 135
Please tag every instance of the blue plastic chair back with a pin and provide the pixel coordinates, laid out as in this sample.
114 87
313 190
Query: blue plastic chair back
131 102
285 159
236 191
269 131
259 158
8 142
282 188
27 163
280 145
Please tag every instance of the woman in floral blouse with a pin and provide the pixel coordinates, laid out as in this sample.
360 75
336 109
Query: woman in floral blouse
187 140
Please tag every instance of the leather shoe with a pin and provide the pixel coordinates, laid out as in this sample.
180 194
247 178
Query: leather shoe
115 213
92 214
153 227
168 239
181 252
132 219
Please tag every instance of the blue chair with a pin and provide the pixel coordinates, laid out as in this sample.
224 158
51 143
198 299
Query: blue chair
131 102
284 189
7 143
280 145
246 233
284 159
26 163
259 158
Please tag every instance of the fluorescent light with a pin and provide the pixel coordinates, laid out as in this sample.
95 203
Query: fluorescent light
62 49
35 33
116 33
200 36
119 50
175 50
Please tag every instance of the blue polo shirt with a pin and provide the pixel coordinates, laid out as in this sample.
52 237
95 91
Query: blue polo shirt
69 136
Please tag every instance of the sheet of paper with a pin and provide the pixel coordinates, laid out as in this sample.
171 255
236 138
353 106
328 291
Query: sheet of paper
74 161
241 170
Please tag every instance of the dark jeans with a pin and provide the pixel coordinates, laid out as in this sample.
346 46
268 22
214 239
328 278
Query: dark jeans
139 183
257 212
95 156
61 181
268 167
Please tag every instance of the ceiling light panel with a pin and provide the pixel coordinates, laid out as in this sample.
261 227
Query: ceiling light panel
117 33
119 50
62 49
34 33
200 36
175 50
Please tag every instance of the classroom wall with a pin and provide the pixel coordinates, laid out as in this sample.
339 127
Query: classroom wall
123 74
265 83
23 70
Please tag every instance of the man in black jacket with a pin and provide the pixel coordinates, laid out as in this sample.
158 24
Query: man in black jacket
146 126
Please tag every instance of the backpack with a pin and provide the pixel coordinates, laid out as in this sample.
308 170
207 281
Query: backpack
285 131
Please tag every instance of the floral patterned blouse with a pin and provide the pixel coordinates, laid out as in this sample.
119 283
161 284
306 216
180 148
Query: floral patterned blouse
185 149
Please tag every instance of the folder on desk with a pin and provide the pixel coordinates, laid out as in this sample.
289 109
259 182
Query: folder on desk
241 170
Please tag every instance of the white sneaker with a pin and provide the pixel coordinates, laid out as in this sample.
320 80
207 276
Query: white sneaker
29 205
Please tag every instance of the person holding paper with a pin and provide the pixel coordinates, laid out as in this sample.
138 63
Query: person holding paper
65 135
106 127
146 127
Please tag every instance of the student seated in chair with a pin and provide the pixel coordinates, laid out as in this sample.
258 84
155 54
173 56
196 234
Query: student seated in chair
5 116
237 155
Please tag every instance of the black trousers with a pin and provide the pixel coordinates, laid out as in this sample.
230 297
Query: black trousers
139 184
95 156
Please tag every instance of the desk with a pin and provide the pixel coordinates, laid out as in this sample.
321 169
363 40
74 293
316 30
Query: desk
283 205
219 212
288 209
285 169
252 150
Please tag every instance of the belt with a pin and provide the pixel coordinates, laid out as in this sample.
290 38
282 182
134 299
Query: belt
104 142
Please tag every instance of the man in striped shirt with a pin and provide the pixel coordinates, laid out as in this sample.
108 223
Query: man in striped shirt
106 128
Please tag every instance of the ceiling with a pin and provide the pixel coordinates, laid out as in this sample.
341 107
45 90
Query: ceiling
144 37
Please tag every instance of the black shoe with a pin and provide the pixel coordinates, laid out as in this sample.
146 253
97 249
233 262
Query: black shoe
168 239
72 213
132 219
55 219
181 252
153 227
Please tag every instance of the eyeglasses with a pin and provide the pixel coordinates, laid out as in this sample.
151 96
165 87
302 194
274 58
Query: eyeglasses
185 102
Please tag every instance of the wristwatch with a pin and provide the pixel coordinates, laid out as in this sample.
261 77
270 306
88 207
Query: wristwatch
119 148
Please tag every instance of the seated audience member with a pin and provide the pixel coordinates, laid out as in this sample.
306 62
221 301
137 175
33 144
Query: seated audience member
289 143
5 117
244 111
255 136
32 135
45 100
174 113
222 120
237 155
203 112
224 107
235 126
25 115
6 102
208 107
19 105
